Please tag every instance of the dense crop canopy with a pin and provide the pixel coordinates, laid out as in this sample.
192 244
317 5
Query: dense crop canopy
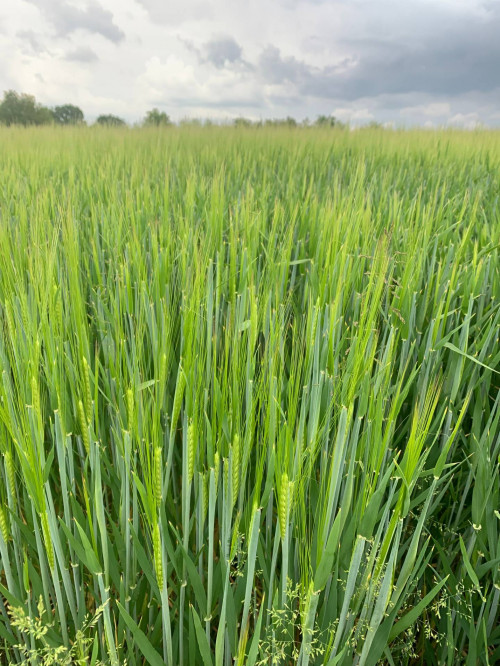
249 397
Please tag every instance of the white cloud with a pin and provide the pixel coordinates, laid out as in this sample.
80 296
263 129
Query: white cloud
381 60
190 86
465 120
353 115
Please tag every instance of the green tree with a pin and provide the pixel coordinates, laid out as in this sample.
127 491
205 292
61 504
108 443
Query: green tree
22 109
328 121
156 118
68 114
242 122
110 120
281 122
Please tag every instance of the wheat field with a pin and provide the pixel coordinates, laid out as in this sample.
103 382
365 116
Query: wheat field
249 397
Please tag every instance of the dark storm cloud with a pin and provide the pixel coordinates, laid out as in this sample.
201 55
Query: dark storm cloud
219 52
317 81
222 51
82 54
461 61
66 18
277 69
464 59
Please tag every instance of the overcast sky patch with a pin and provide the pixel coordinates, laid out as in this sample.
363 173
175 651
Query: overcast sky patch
412 62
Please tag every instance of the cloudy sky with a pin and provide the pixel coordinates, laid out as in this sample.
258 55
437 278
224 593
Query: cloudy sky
429 62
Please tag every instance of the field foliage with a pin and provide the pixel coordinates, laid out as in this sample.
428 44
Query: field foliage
249 397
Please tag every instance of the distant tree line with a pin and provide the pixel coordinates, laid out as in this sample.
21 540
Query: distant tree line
22 109
321 121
